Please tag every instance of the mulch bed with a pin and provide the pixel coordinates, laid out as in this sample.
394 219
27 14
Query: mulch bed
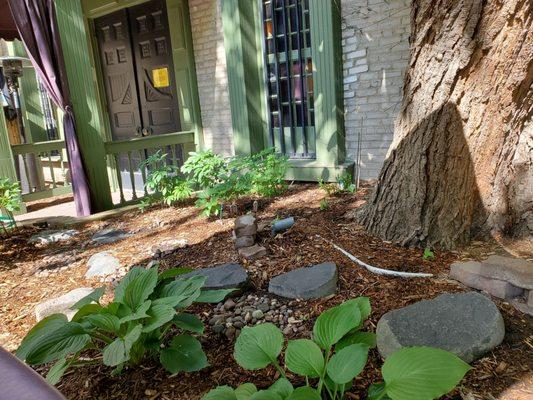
505 373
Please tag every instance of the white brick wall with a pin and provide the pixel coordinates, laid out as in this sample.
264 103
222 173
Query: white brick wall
376 52
210 59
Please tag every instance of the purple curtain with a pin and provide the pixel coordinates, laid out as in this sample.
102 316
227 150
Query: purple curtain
37 25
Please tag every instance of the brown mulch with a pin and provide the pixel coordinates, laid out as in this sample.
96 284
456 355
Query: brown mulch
505 373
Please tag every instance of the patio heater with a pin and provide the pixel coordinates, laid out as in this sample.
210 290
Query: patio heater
12 71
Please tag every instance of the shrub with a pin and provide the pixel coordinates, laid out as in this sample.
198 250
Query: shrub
335 356
344 185
205 169
10 201
133 327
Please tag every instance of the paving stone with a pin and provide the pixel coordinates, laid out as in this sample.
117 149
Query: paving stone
513 270
466 324
61 304
168 247
225 276
244 241
252 252
108 236
47 237
102 264
306 283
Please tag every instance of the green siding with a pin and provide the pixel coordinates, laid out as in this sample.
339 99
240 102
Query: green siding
83 93
240 22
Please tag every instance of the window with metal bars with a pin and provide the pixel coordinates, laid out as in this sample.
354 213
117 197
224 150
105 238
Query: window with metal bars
288 68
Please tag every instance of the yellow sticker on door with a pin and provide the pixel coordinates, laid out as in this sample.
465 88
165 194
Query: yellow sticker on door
160 77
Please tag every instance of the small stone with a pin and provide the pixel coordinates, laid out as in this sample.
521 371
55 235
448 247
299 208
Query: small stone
47 237
238 324
102 264
287 330
229 304
244 241
218 328
252 252
257 314
61 304
230 332
263 307
466 324
248 317
306 283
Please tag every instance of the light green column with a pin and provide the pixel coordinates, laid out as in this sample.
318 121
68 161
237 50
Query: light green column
240 23
83 93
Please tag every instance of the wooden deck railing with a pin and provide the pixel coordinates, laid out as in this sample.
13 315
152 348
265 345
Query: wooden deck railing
43 169
127 156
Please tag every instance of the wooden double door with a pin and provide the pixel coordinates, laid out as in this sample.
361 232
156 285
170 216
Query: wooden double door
136 61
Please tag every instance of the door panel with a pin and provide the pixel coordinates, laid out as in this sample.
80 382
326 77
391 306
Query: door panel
155 72
117 62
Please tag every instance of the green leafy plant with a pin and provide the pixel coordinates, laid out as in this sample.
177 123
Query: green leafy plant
324 204
344 184
10 201
133 327
163 182
428 254
205 169
335 356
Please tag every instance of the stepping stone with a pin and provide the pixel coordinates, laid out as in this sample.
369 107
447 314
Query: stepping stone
306 283
108 236
168 247
47 237
225 276
252 252
466 324
102 264
61 304
516 271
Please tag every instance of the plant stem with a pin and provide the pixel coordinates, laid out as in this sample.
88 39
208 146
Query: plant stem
102 337
279 369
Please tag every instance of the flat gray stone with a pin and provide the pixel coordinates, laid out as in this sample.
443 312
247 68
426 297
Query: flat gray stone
102 264
513 270
108 236
466 324
225 276
61 304
47 237
252 252
306 283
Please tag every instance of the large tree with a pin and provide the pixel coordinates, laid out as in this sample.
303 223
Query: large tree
461 161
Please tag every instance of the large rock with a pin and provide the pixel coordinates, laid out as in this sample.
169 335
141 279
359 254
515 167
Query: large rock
306 283
225 276
61 304
513 270
108 236
47 237
245 225
466 324
102 264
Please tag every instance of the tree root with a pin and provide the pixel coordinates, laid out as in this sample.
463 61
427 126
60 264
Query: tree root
379 271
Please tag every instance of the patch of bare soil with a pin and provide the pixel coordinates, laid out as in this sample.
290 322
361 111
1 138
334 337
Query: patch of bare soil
505 373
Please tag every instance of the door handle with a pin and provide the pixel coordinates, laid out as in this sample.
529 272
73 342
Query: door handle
147 131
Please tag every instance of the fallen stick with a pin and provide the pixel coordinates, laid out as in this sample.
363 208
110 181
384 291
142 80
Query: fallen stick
379 271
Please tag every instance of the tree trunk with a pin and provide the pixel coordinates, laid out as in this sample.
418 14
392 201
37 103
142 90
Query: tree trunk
461 160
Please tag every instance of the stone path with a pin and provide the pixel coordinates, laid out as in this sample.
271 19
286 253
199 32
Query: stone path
306 283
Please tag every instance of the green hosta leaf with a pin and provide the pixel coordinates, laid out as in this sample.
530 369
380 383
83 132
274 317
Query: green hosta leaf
214 296
259 346
186 291
245 391
42 329
305 393
336 322
140 288
221 393
304 357
172 273
347 363
265 395
67 339
376 391
123 284
189 322
93 297
159 315
184 354
87 309
422 373
140 313
366 338
282 387
118 351
106 322
335 386
56 372
364 306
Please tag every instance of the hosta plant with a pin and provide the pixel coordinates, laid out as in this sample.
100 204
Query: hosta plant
136 325
336 355
10 202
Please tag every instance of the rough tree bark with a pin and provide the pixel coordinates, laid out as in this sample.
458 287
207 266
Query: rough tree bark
461 161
